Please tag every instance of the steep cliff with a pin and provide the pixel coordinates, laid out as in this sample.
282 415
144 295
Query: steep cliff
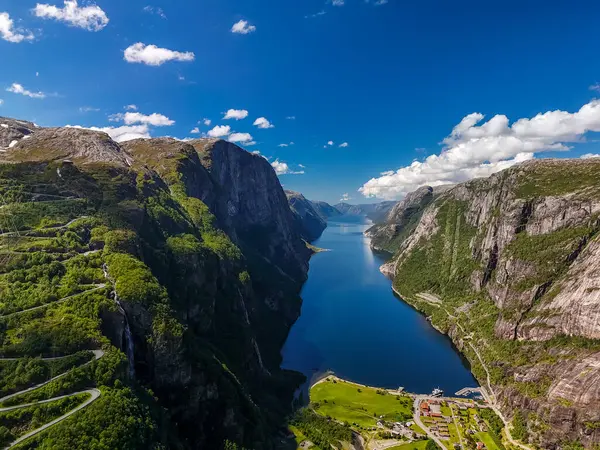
376 211
190 262
309 221
514 260
325 210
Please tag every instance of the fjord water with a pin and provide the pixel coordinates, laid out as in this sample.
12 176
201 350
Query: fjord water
353 324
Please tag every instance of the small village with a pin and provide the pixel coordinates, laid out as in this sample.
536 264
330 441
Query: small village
405 421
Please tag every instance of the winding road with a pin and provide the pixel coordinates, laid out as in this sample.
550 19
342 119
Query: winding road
94 393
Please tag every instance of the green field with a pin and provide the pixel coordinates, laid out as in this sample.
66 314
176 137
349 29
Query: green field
350 403
419 445
487 440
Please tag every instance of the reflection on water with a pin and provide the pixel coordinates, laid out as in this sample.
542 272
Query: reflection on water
353 325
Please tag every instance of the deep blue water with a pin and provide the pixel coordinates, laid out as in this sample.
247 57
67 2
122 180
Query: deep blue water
353 324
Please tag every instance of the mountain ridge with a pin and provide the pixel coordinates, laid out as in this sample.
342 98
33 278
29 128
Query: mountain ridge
512 258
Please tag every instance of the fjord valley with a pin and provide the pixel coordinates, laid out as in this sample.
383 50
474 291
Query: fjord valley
507 267
157 279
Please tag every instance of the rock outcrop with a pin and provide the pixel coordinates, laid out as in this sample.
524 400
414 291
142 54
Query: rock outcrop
522 246
309 221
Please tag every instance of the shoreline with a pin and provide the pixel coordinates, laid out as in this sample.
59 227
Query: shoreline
405 393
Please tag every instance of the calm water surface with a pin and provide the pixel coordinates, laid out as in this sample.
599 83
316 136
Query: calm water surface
353 325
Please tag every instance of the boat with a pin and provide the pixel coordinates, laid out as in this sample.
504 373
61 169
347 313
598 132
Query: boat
437 392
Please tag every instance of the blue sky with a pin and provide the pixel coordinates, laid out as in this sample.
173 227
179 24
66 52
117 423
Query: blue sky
391 80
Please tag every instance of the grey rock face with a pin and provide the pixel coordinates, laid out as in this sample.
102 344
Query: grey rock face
258 213
401 219
77 145
548 206
12 131
311 223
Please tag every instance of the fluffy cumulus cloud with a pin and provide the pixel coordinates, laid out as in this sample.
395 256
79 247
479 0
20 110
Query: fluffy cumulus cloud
244 138
475 149
262 122
17 88
195 130
344 145
590 156
152 55
345 197
90 17
243 27
131 118
282 168
237 114
207 122
9 33
219 131
130 108
121 134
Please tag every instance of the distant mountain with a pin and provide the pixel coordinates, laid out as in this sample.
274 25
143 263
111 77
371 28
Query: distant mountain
325 210
310 222
377 212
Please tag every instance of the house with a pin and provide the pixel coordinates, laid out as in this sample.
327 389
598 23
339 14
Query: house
435 408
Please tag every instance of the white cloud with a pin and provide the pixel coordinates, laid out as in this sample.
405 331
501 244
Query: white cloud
207 122
476 151
219 131
286 145
241 137
9 33
262 122
302 166
195 130
590 156
291 118
318 14
345 197
86 109
338 2
130 108
121 134
282 168
90 17
155 10
473 151
595 87
152 55
17 88
237 114
130 118
243 27
330 143
344 145
1 102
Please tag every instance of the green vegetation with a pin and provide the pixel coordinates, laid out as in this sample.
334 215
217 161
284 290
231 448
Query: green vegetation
444 263
25 372
321 431
549 179
343 401
18 422
418 445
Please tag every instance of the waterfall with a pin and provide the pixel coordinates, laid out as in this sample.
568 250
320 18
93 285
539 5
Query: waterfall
128 335
128 340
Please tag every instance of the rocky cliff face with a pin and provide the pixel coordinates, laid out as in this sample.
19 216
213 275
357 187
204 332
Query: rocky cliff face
514 258
207 229
325 210
400 221
376 211
308 219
